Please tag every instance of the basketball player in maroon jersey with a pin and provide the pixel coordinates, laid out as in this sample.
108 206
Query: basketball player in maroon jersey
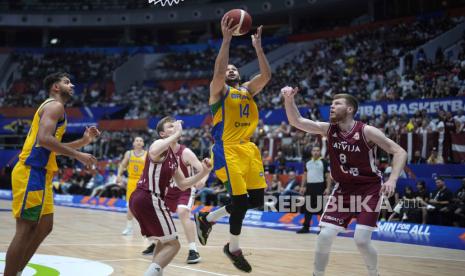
180 202
147 201
352 147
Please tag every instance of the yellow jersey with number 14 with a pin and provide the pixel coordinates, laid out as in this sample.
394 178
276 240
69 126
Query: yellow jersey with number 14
235 116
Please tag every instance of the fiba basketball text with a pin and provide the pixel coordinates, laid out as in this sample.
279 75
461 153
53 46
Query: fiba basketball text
356 204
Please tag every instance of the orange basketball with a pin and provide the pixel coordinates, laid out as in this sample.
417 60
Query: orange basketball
242 18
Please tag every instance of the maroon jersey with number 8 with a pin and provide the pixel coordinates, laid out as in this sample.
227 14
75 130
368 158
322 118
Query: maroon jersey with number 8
352 160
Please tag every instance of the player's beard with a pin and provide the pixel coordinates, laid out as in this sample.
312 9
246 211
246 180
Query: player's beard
337 117
233 82
65 95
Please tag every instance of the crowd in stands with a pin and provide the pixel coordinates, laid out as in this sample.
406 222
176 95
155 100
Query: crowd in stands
202 62
92 71
363 64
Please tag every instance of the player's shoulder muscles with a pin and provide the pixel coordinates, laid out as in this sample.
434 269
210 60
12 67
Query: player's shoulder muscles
52 110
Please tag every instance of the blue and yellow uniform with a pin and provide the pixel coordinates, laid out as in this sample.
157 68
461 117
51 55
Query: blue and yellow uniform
32 175
237 162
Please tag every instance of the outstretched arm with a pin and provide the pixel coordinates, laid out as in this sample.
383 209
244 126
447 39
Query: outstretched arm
294 117
221 63
256 84
399 159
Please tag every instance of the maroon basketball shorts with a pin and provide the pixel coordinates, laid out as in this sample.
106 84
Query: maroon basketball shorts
153 216
176 198
361 202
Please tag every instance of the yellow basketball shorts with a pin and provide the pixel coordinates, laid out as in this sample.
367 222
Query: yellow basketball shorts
239 167
132 184
32 192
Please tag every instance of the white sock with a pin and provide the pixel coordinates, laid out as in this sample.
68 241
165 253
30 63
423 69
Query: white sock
129 223
323 247
192 246
217 214
154 270
362 239
233 243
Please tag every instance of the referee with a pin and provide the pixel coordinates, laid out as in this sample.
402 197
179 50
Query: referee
317 183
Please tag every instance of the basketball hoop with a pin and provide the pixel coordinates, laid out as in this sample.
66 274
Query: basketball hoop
165 2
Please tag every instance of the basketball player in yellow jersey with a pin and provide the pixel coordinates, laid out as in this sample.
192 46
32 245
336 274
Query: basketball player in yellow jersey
133 161
32 176
237 161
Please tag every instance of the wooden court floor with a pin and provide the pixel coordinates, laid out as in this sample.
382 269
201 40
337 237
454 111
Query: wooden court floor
95 235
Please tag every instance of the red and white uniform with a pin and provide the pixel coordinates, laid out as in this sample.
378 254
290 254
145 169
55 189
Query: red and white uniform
353 168
175 197
147 202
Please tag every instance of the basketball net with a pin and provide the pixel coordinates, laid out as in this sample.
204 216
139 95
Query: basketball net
165 2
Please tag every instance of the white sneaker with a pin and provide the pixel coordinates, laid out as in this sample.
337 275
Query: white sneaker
404 217
127 231
430 207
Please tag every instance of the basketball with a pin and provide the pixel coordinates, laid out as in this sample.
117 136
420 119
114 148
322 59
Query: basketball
242 18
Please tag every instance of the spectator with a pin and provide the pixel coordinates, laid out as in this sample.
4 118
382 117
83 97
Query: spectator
275 188
440 200
417 158
434 158
458 206
292 187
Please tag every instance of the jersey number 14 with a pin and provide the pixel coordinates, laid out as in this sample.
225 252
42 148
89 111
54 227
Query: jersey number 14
244 111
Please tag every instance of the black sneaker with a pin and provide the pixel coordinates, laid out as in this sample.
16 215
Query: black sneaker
303 230
237 258
203 227
149 250
194 257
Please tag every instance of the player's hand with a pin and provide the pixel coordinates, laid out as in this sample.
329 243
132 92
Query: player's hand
388 188
86 158
327 192
178 128
289 92
90 134
257 38
206 164
227 29
119 180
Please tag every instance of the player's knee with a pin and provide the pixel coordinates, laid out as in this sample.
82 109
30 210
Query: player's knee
238 211
174 245
48 228
361 243
26 228
239 205
325 239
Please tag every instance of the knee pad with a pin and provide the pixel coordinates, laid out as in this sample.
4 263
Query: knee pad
256 198
238 209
